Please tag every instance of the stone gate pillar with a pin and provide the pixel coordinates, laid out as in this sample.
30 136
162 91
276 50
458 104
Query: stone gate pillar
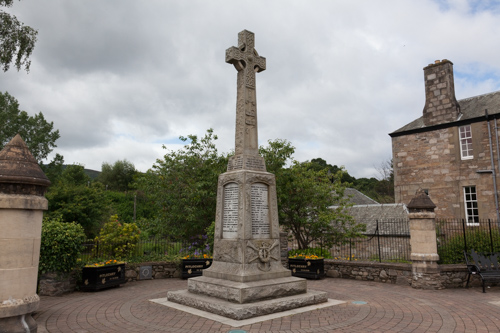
425 270
22 202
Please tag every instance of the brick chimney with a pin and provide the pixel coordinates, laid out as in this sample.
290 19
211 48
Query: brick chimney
441 106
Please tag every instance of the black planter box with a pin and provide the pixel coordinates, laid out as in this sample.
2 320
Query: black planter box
97 278
307 268
194 267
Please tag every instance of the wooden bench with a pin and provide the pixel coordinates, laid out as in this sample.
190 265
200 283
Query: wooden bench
486 265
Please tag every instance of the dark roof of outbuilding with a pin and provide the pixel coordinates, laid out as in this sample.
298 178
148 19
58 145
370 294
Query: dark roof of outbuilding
470 109
393 218
357 198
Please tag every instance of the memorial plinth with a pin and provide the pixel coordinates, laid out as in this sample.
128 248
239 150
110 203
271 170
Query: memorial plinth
247 278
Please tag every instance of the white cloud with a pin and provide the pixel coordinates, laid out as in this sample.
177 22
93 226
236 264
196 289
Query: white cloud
120 77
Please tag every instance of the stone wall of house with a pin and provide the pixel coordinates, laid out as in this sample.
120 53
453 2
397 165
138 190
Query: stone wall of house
432 161
451 276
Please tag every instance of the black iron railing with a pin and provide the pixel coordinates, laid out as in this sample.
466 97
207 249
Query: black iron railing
384 241
93 249
455 235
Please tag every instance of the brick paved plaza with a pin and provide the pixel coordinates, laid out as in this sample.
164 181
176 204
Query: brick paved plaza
368 307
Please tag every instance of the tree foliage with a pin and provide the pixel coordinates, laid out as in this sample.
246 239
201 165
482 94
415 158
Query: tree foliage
183 186
117 177
122 204
380 189
311 204
39 135
17 41
76 199
54 169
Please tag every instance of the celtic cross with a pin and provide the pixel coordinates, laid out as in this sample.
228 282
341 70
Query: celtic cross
247 62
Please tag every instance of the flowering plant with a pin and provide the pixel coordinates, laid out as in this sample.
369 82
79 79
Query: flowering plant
304 256
117 239
198 256
199 248
105 263
311 253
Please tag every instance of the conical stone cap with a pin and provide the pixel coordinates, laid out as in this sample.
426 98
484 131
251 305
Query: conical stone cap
421 202
19 171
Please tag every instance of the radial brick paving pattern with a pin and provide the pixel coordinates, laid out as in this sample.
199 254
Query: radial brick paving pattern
368 307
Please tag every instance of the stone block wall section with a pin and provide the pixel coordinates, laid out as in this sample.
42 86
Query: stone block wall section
452 276
431 160
160 270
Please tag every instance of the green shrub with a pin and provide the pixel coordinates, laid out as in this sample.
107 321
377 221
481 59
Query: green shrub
118 240
451 252
61 245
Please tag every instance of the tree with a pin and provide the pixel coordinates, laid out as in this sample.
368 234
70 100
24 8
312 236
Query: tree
17 41
319 163
386 182
183 186
123 203
39 135
277 154
54 169
311 205
117 177
75 199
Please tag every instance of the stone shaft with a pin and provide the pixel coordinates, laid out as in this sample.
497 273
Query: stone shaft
247 62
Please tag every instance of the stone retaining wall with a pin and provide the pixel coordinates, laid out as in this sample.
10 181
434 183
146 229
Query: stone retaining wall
369 271
450 276
56 284
160 270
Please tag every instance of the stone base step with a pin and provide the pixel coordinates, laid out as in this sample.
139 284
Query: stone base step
249 310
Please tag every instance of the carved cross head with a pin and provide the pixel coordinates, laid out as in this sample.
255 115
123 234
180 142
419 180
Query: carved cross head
245 58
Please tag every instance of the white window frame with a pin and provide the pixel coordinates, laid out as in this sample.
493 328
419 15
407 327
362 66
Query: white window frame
465 134
470 205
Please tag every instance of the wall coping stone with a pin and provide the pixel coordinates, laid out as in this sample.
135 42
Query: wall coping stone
401 266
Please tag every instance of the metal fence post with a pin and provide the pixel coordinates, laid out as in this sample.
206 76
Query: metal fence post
491 236
350 248
378 243
465 236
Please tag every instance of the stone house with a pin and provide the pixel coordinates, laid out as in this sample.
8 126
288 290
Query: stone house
451 151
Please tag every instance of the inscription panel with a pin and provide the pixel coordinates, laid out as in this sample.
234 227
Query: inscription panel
230 213
235 163
255 164
259 199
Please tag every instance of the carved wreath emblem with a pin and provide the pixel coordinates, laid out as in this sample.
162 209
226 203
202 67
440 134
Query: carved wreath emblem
263 254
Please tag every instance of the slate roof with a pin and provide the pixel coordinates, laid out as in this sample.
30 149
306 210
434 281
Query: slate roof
393 218
470 108
357 198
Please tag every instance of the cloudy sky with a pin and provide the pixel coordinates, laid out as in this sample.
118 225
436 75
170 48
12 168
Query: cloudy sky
119 78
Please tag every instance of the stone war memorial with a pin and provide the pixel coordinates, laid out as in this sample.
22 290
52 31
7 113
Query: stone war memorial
247 278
